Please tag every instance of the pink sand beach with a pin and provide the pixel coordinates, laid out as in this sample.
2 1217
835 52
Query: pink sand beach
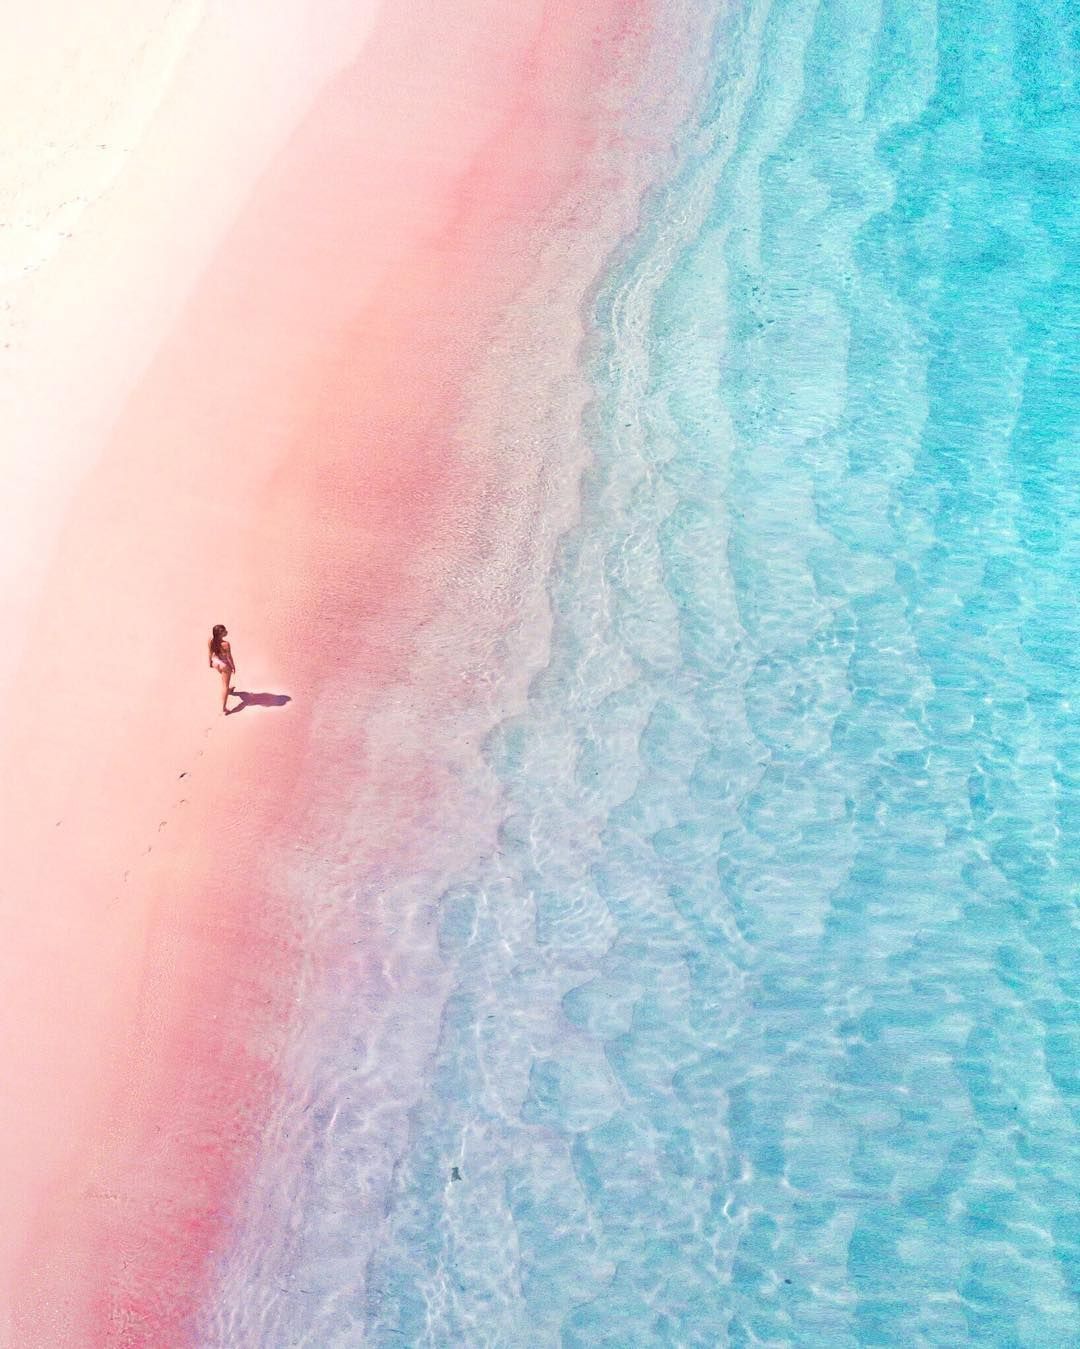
259 273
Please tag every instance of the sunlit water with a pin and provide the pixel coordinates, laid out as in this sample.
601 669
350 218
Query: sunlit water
764 1016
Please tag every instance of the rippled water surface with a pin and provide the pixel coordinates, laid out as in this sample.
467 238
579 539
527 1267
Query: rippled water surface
763 1027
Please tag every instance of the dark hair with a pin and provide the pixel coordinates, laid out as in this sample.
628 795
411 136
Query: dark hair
216 636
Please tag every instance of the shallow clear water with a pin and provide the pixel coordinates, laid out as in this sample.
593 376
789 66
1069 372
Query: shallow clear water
763 1027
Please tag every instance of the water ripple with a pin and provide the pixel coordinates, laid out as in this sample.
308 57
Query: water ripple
763 1029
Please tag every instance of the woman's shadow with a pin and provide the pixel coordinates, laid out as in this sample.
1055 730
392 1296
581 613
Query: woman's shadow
257 700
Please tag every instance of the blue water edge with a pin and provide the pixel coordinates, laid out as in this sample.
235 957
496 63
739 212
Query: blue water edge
764 1025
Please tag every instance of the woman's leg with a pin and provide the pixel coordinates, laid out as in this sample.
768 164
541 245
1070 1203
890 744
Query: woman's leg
226 675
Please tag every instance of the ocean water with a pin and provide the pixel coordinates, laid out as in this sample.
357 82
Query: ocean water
763 1014
764 1023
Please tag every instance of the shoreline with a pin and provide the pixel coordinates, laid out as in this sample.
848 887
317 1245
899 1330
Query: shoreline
400 996
280 342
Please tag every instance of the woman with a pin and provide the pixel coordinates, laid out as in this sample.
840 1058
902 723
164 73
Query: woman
221 659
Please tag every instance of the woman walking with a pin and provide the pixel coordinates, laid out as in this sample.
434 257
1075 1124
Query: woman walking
221 659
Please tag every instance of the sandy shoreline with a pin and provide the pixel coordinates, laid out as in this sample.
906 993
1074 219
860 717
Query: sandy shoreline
286 464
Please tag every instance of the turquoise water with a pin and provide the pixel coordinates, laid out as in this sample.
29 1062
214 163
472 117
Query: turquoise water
765 1020
763 1026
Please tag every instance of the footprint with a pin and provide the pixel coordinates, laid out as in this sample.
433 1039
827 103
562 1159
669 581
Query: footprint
162 825
183 774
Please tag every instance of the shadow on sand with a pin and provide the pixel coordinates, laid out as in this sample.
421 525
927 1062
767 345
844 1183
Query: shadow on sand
258 700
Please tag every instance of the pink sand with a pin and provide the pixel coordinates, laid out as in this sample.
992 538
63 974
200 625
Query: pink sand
289 463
